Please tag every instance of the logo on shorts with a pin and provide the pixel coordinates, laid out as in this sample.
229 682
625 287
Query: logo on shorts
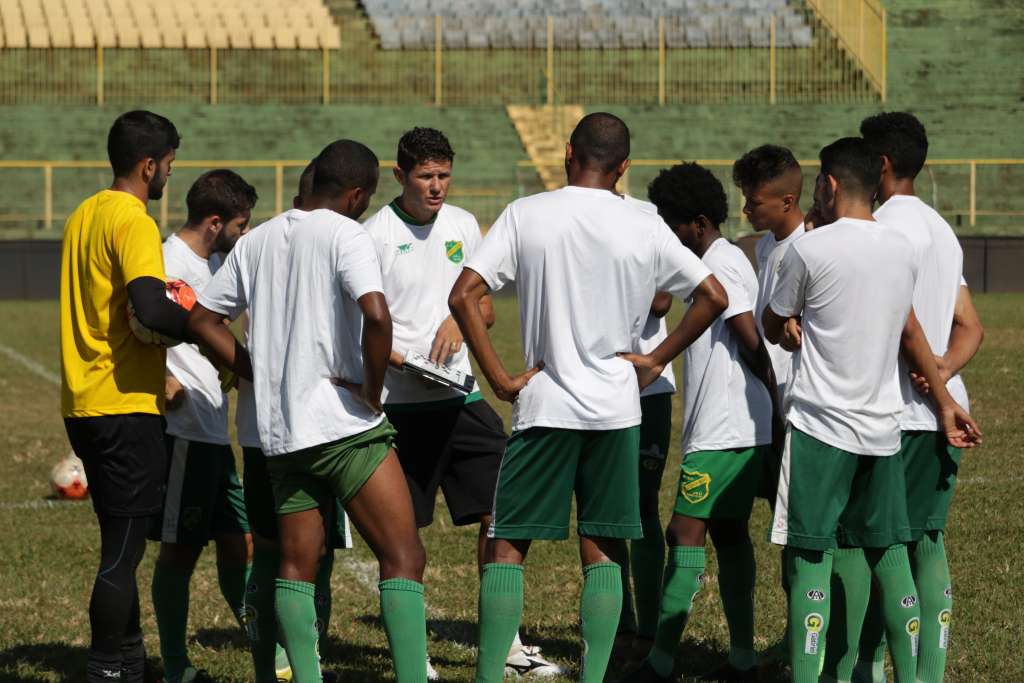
908 601
695 487
405 248
815 595
190 517
813 623
454 251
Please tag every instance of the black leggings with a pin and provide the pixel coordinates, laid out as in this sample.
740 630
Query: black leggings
114 607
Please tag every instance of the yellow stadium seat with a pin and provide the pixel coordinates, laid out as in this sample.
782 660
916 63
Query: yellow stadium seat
195 37
330 38
82 34
307 38
15 35
262 37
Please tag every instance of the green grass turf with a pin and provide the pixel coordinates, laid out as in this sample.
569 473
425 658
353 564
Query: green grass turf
50 553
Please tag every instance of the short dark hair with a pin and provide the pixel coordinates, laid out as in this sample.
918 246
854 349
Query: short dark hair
420 145
220 192
854 164
306 180
900 136
138 135
686 191
342 165
762 165
600 140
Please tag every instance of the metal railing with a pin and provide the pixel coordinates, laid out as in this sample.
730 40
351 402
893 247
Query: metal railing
860 26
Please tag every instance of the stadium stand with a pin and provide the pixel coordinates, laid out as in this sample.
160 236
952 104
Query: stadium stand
257 24
586 24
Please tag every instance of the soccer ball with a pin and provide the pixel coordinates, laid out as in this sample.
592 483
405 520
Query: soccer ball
180 293
67 479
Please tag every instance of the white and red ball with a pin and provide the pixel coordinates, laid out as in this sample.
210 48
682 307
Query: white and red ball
67 478
180 293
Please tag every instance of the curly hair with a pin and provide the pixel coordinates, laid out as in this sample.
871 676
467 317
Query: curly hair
763 164
220 192
421 145
901 137
686 191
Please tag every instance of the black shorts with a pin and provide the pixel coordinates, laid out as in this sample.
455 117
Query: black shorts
457 448
125 461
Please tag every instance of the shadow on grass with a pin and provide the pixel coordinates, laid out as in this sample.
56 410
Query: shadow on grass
36 662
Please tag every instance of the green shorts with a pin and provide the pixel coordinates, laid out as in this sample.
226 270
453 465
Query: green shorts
828 495
259 503
543 467
720 484
315 477
204 497
930 466
655 438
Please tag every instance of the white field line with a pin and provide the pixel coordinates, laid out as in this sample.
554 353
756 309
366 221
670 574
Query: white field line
30 365
39 504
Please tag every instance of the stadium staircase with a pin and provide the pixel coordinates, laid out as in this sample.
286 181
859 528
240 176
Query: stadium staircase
543 132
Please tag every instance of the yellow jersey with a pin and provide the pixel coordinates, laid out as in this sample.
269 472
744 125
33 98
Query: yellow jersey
109 241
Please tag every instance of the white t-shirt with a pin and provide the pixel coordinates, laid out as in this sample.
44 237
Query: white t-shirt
587 266
655 330
940 271
419 264
726 406
853 284
300 275
203 415
769 252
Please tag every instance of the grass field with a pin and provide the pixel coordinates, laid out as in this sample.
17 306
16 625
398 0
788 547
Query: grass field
50 549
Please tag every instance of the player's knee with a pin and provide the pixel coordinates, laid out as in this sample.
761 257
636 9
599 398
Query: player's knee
404 560
685 531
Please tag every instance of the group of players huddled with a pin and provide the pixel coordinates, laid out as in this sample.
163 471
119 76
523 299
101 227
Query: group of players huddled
826 382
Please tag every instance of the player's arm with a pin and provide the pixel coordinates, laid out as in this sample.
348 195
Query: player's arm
207 327
782 330
965 339
753 352
781 317
376 348
960 429
464 302
448 340
154 310
661 305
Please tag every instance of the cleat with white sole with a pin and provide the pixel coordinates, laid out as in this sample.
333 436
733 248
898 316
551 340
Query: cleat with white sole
526 660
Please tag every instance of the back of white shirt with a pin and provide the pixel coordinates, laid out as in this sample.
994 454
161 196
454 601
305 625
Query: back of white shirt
853 284
419 265
203 415
769 252
587 265
940 271
300 275
726 406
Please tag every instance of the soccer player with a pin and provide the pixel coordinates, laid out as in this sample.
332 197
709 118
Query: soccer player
587 265
112 388
270 660
203 501
851 284
319 340
947 317
729 392
446 438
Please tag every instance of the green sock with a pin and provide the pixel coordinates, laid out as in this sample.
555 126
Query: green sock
233 582
501 608
809 572
170 602
736 576
627 617
851 592
684 576
647 558
296 619
870 666
900 608
931 575
600 605
403 613
260 621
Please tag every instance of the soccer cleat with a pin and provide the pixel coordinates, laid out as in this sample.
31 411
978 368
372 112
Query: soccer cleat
432 674
730 674
526 660
645 673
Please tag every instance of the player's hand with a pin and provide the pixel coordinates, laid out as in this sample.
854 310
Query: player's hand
647 369
921 384
174 393
509 390
792 335
360 392
396 360
447 342
961 430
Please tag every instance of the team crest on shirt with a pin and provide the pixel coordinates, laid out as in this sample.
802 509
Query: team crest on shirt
405 248
696 486
454 251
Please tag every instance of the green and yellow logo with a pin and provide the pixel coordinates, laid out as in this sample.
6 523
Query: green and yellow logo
945 618
405 248
695 487
454 251
813 622
914 627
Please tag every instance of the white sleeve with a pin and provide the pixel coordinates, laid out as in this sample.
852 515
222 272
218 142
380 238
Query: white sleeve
225 293
496 260
732 281
473 236
678 271
356 262
790 285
